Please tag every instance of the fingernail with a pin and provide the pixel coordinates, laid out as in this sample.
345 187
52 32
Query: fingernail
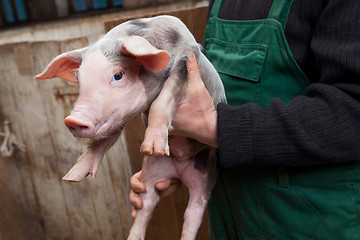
191 56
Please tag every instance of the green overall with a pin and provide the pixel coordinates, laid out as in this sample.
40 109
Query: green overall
269 202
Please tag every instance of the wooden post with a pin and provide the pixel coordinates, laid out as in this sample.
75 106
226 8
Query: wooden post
41 9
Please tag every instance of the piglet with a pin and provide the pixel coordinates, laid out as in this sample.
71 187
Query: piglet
140 66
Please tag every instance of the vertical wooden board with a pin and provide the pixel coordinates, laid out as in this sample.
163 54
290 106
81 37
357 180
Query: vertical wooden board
77 197
17 219
15 172
32 115
41 9
105 205
203 233
18 112
111 214
197 21
13 214
164 223
134 133
10 205
93 202
120 173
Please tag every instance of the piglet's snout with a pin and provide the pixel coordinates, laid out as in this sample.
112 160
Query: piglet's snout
79 128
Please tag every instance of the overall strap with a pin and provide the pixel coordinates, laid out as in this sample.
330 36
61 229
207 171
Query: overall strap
215 10
280 10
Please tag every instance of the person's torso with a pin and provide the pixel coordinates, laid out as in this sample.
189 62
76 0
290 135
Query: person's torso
299 28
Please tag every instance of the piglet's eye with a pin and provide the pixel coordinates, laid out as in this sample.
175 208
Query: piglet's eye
118 76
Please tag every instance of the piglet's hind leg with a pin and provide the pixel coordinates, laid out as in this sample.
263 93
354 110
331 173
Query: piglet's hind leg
150 199
155 169
199 177
195 210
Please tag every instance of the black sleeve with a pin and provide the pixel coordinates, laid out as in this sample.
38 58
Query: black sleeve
323 125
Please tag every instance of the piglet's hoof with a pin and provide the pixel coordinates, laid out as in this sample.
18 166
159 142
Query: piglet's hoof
150 150
78 172
155 143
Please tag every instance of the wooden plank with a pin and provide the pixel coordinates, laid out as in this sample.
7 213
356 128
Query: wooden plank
109 190
71 5
101 203
129 4
14 10
90 5
36 169
23 59
18 199
119 171
41 9
77 197
2 15
41 146
18 215
62 8
134 132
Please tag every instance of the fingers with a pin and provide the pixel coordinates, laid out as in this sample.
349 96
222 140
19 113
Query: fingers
167 187
136 184
136 203
161 186
133 212
137 187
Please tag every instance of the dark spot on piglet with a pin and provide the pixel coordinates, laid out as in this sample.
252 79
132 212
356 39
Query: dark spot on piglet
174 37
139 27
181 70
139 23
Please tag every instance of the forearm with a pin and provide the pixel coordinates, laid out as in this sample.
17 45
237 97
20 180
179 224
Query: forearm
320 127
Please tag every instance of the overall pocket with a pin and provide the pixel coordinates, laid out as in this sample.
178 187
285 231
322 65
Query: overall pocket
239 67
317 203
311 213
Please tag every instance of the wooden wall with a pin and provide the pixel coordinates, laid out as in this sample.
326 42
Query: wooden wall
34 202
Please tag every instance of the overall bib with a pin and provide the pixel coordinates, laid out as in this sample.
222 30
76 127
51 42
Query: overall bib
269 202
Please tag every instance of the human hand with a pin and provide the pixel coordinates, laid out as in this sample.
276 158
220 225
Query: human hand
196 116
164 188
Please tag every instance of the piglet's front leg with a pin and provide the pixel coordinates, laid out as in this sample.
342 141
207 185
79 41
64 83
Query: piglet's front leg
89 161
160 116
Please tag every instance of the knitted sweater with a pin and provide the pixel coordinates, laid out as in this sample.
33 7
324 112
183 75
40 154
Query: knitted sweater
322 126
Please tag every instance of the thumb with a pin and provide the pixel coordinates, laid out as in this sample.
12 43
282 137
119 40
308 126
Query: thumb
194 78
192 66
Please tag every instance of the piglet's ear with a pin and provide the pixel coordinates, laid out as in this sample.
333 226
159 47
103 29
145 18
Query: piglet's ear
63 66
152 58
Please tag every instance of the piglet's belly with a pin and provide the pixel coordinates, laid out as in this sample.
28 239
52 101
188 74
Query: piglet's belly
183 163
